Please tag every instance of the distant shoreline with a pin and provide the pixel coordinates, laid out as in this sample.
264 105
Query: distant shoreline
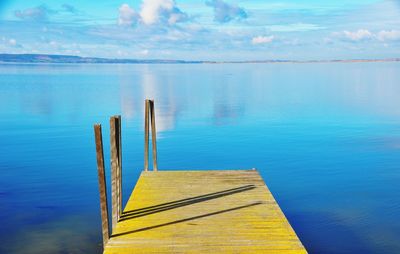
69 59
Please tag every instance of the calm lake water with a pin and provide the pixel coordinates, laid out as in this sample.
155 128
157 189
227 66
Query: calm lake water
325 137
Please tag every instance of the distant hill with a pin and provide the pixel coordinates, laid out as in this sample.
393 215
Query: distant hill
40 58
43 58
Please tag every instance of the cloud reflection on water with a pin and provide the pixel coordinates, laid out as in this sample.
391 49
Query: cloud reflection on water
325 135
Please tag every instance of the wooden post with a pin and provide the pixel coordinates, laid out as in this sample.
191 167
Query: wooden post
146 135
153 135
102 184
120 164
115 139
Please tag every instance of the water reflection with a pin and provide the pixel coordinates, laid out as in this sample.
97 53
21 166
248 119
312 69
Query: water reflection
324 136
149 85
38 101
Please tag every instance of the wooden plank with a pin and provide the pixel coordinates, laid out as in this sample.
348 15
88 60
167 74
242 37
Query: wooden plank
115 171
102 183
203 212
146 135
153 135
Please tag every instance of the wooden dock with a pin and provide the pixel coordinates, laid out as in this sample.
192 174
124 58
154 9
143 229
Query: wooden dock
208 211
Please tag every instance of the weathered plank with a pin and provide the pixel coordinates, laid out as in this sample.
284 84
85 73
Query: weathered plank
203 212
102 183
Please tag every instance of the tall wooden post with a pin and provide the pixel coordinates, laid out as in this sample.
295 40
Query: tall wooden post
153 134
146 135
116 172
102 183
120 165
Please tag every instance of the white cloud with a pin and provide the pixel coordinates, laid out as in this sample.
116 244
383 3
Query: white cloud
152 12
361 34
364 34
12 42
262 39
53 43
295 27
224 12
38 13
157 11
127 15
144 52
392 35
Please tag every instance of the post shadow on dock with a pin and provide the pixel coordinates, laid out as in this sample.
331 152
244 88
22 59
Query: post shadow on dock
189 219
181 203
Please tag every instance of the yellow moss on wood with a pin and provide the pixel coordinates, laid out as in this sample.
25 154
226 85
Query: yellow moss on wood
226 211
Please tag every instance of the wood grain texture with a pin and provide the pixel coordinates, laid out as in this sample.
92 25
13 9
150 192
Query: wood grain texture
146 135
119 147
228 211
115 170
102 183
153 134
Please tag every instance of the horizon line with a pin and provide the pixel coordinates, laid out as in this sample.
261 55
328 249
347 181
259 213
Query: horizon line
57 58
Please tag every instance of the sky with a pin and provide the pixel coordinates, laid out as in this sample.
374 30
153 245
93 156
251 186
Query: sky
203 30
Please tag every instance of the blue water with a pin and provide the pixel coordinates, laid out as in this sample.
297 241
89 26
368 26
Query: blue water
325 137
